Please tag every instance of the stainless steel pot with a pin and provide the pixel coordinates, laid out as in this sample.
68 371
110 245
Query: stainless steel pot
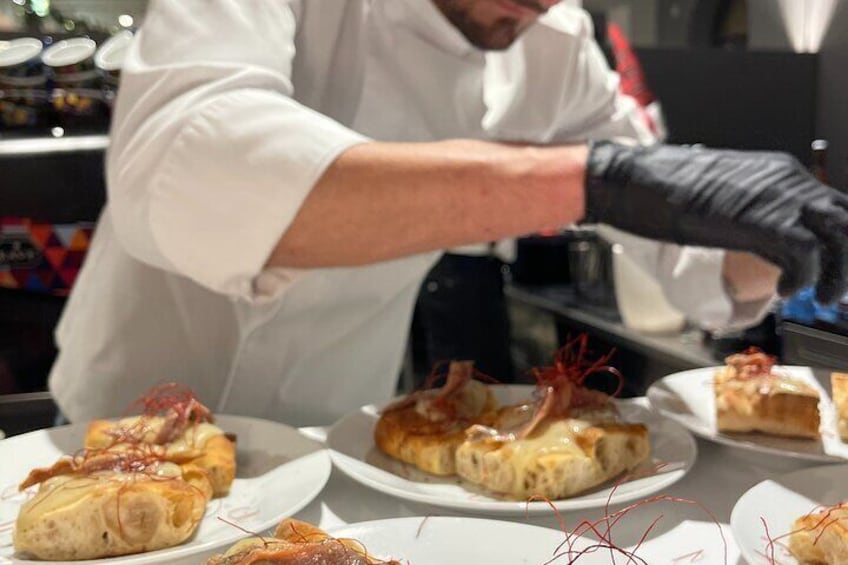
590 265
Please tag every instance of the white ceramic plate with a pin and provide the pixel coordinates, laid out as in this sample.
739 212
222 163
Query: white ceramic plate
352 448
459 541
779 503
279 472
688 398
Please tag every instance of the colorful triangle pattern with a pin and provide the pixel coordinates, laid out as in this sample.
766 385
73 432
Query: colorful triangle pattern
58 250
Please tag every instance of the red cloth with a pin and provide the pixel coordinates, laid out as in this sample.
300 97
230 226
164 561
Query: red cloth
633 81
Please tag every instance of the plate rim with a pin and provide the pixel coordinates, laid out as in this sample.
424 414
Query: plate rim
418 520
496 507
729 441
736 512
180 551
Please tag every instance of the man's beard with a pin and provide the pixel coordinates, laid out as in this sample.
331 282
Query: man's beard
499 35
496 36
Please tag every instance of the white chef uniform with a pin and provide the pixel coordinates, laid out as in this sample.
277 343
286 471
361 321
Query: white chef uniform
228 113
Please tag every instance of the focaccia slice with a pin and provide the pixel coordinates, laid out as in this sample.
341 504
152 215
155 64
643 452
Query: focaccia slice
109 513
426 430
769 404
207 446
822 537
294 543
839 383
562 457
751 396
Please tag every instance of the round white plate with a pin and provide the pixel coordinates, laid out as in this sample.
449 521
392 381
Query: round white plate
688 398
19 51
352 448
279 472
110 56
459 541
779 503
69 52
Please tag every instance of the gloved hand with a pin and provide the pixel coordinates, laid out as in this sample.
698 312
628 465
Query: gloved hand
762 202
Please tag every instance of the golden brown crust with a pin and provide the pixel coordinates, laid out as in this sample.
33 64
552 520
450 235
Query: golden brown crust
752 395
411 434
431 446
97 434
297 531
106 515
839 383
821 538
295 542
219 461
772 405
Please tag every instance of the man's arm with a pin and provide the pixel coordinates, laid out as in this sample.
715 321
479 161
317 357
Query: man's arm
593 107
214 168
382 201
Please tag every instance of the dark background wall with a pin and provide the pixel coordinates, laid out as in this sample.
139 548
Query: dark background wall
738 99
832 120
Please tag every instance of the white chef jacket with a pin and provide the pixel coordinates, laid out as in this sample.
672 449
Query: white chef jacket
229 112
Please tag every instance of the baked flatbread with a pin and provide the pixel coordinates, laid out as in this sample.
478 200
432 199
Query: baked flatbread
180 426
569 440
297 543
104 506
752 396
821 538
426 428
562 457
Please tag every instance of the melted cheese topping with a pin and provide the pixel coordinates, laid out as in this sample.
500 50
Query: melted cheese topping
193 438
66 490
557 437
511 419
770 385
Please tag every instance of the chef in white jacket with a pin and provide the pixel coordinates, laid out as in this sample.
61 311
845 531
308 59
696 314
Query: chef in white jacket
282 174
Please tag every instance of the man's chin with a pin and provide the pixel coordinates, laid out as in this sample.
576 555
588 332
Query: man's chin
496 39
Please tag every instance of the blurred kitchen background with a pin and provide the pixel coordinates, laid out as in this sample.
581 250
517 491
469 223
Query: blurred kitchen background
748 74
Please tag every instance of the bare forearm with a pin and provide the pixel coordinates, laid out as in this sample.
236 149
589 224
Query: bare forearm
381 201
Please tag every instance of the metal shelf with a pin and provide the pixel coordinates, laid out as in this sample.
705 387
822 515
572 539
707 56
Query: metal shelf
25 147
684 350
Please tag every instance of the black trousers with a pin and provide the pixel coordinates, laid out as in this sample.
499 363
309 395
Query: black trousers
462 314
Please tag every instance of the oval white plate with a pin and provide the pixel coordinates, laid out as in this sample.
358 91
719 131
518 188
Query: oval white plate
779 503
352 448
688 398
460 541
279 472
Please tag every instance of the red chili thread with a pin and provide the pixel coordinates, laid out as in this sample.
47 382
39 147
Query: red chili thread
693 557
823 523
610 520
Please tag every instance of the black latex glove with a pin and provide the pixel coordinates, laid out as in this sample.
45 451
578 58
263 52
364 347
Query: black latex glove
762 202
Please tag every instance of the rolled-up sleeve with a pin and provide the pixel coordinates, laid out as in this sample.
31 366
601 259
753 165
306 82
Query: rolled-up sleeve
211 157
